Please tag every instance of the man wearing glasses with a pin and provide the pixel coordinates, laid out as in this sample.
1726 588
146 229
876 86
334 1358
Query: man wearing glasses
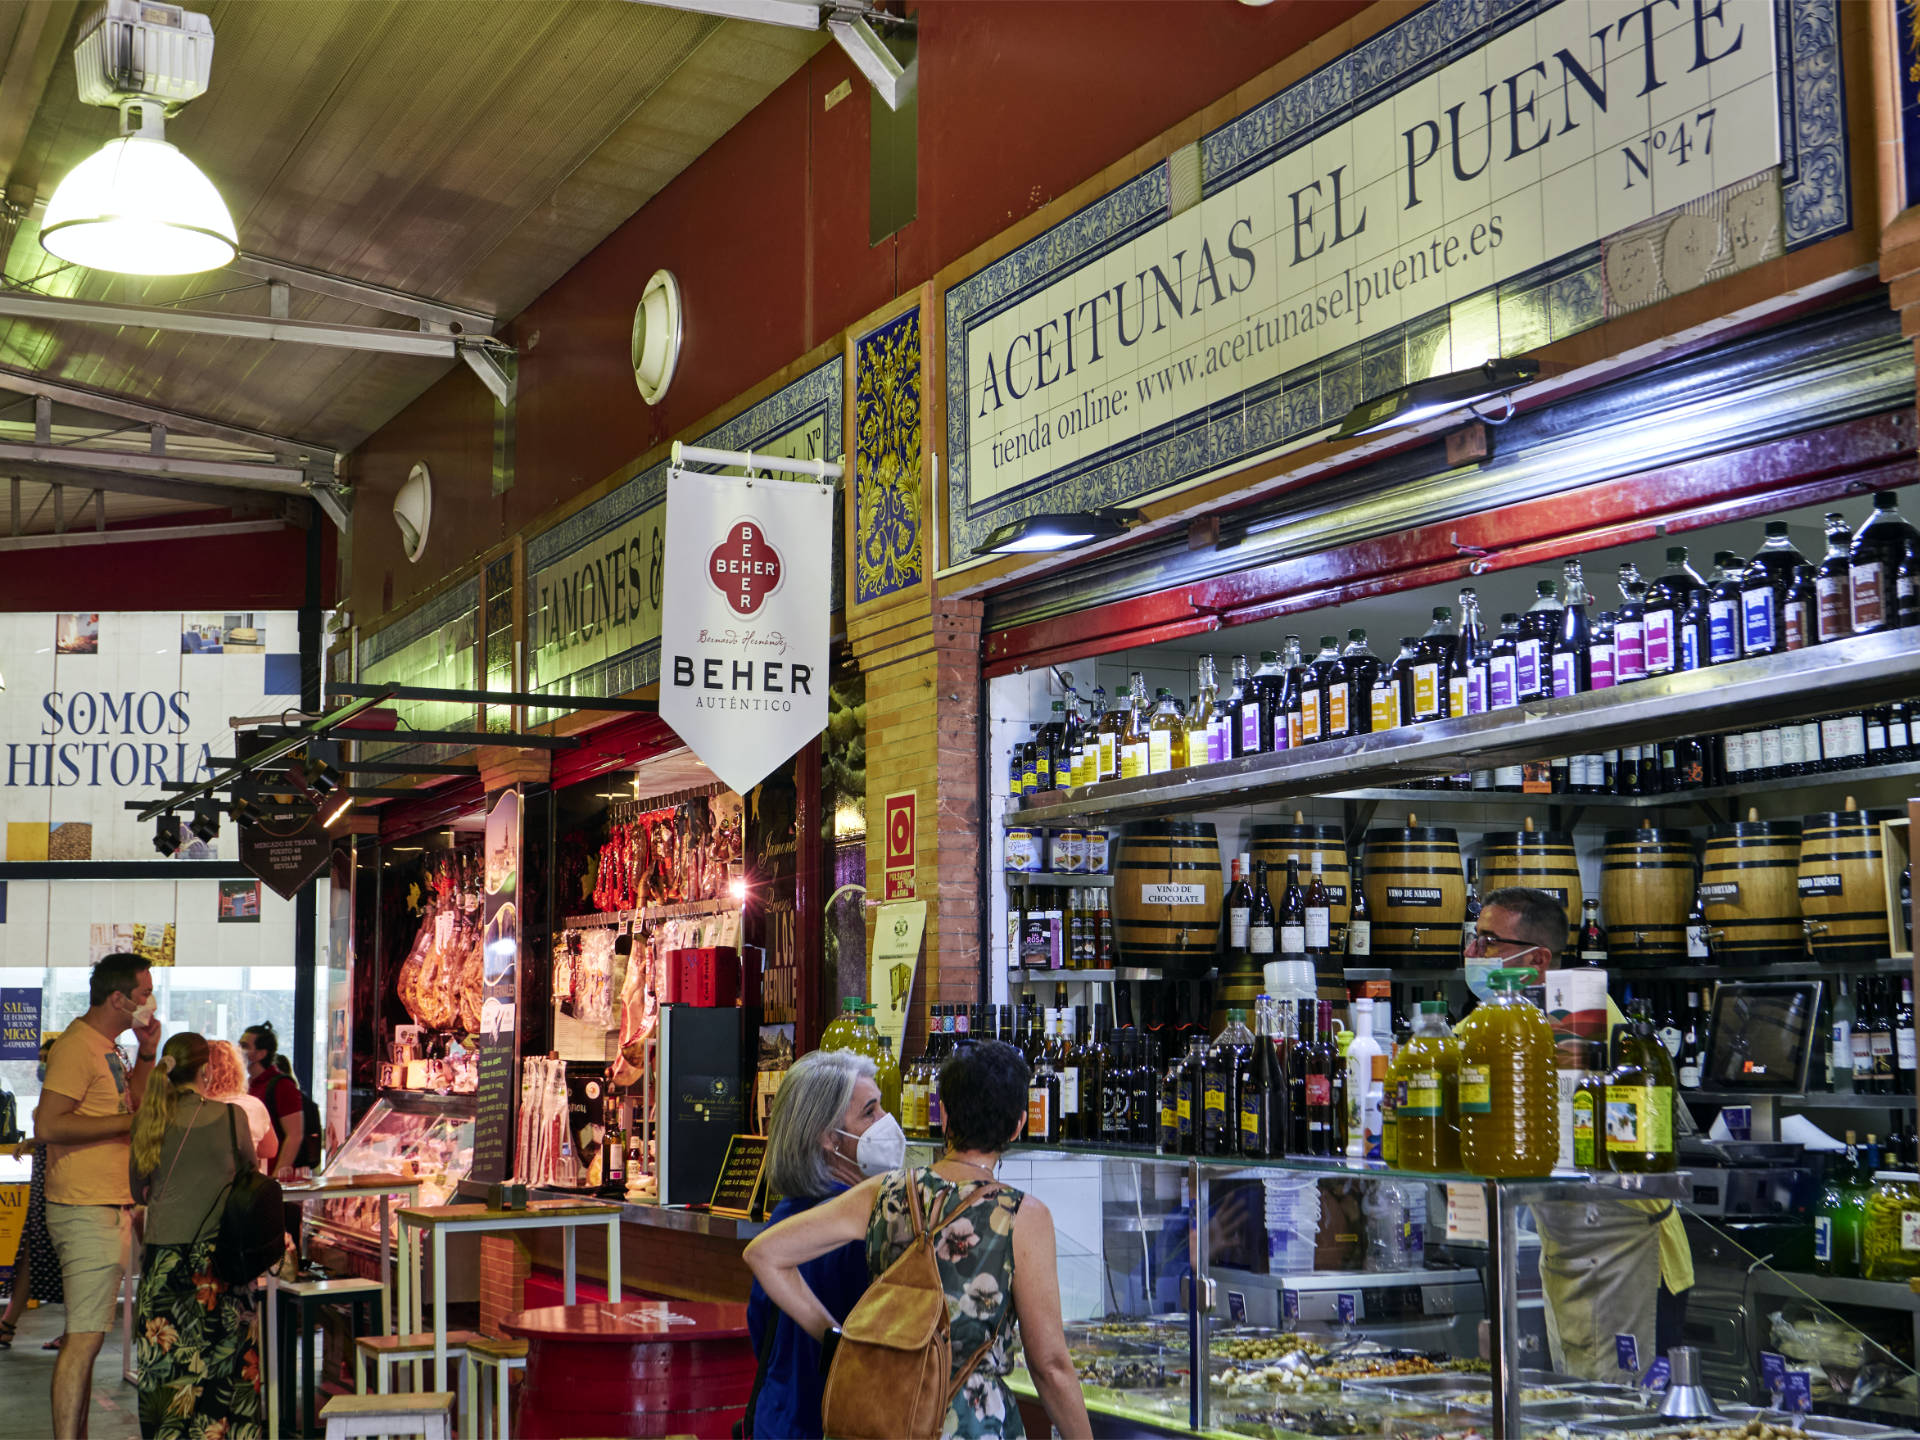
1607 1271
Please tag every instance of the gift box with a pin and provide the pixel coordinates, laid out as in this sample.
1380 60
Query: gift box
707 975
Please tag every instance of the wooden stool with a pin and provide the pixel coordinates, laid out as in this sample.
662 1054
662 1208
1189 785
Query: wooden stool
427 1416
388 1351
300 1304
490 1364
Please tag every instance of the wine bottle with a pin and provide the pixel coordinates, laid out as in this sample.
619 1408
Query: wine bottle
1533 650
1873 566
1359 917
1363 673
1723 608
1503 665
1630 628
1763 592
1433 654
1319 912
1293 912
1666 601
1571 660
1260 917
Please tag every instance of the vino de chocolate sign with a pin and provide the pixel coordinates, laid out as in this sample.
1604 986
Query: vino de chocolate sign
744 619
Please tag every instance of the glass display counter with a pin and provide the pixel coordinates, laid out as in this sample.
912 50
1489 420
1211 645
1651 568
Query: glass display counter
1330 1297
405 1133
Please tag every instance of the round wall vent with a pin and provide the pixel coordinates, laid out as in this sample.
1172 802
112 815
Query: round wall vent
413 511
658 327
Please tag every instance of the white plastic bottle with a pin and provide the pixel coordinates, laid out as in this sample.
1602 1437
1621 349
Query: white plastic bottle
1360 1052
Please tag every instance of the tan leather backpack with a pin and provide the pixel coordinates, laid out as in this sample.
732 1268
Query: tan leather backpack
892 1376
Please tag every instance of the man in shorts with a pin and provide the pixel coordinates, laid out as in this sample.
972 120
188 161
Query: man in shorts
85 1117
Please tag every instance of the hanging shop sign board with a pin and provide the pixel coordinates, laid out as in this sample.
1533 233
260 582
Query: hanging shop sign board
286 849
745 619
595 580
897 932
1473 181
498 1084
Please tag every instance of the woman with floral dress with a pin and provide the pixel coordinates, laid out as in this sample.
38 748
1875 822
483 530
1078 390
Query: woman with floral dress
996 1258
194 1337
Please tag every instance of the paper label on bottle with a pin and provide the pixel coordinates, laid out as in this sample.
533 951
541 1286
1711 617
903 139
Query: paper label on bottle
1640 1117
1793 745
1183 1111
1070 1090
1720 890
1476 688
1252 1118
1772 752
1385 707
1319 928
1868 585
1037 1114
1109 756
1502 682
1822 1238
1293 939
1903 1048
1215 1101
1583 1129
1426 691
1133 761
1238 917
1259 939
1910 1229
1360 937
1819 885
1799 625
1309 717
1600 665
1659 641
1756 613
1880 1043
1697 942
1422 895
1876 735
1319 1090
1173 894
1457 701
1337 719
1425 1098
1629 651
1250 728
1476 1090
1723 631
1832 608
1526 669
1566 676
1159 752
1295 732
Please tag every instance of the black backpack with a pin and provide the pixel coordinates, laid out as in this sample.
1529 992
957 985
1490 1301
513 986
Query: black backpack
252 1234
309 1155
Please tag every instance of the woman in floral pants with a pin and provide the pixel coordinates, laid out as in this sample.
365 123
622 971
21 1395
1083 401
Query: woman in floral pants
194 1337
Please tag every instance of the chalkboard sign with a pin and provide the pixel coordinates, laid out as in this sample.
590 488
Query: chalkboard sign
740 1190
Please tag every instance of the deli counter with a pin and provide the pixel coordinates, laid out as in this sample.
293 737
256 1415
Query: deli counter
1339 1297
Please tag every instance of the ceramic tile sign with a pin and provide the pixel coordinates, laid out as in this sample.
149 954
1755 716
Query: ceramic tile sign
1364 228
745 619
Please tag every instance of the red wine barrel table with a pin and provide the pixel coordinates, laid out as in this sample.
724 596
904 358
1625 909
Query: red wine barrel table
639 1368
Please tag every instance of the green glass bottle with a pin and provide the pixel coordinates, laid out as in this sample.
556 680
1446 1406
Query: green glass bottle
1830 1255
1640 1100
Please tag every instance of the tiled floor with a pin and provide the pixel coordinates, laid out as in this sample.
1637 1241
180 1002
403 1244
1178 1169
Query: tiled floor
26 1383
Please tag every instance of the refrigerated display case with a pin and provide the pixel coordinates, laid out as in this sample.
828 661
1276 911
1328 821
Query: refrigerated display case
1345 1298
405 1133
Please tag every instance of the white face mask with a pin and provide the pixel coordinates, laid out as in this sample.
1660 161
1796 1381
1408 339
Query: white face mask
881 1148
144 1013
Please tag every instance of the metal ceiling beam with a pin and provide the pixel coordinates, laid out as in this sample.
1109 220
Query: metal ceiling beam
239 499
125 407
140 537
892 82
374 338
258 475
795 14
362 292
38 47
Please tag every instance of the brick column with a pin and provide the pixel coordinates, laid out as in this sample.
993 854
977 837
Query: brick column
505 1264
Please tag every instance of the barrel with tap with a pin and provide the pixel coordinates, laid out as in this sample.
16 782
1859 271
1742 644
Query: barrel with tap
1646 889
1275 844
1167 896
1539 860
1418 895
1842 883
1749 887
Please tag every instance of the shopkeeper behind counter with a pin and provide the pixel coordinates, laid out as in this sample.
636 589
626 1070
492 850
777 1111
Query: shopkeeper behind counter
1601 1278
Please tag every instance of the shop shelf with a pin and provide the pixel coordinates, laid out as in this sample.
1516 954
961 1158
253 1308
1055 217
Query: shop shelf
1786 970
1080 977
1810 1100
1507 800
1048 879
1801 684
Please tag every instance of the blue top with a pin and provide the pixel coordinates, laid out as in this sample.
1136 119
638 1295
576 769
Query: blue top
789 1404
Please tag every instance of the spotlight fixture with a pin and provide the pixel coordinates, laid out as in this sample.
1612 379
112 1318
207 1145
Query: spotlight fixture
244 811
330 810
1038 534
206 819
138 206
1436 395
318 767
166 835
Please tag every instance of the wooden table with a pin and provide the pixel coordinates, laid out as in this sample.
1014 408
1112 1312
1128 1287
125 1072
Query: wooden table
566 1216
407 1187
640 1369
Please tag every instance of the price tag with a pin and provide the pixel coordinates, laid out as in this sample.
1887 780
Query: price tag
1349 1307
1657 1375
1799 1391
1236 1307
1290 1304
1627 1352
1773 1371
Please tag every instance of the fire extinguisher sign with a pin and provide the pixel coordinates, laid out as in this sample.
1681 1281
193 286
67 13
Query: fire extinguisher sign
902 842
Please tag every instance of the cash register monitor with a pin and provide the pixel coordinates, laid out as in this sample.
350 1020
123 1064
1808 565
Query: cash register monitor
1762 1035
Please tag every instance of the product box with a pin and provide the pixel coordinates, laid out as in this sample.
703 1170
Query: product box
706 975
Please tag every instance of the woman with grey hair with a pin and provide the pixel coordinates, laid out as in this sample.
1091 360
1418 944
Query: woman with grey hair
828 1133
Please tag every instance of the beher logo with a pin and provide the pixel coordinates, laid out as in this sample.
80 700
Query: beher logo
744 567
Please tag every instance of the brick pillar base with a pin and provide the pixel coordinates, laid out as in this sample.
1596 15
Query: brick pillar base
505 1264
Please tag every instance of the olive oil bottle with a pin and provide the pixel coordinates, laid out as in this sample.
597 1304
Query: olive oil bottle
1640 1100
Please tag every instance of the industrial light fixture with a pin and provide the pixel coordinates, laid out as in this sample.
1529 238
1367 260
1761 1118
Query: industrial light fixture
1038 534
1436 395
166 835
244 811
330 810
317 768
206 819
413 511
137 205
659 328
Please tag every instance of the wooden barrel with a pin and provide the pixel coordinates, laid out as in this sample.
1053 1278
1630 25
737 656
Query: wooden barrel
1539 860
1273 844
1646 889
1418 895
1843 884
1749 883
1168 897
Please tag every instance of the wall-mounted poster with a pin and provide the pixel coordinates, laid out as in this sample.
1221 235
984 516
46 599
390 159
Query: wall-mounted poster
239 902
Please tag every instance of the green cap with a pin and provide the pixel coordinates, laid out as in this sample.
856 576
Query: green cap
1233 1015
1433 1007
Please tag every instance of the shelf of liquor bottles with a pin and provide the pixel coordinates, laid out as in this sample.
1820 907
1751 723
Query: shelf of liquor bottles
1772 970
1040 974
1052 880
1803 684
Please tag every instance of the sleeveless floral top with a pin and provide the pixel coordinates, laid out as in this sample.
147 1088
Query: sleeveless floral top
975 1255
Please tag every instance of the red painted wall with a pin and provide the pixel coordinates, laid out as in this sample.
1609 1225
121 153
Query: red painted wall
767 234
239 572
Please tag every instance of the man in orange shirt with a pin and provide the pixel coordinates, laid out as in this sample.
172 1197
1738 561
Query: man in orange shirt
85 1117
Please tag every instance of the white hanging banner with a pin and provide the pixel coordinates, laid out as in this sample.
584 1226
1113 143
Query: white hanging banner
744 625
